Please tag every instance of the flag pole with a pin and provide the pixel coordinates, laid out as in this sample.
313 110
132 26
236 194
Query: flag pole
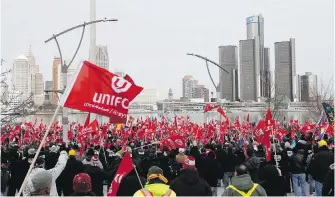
38 150
138 177
275 157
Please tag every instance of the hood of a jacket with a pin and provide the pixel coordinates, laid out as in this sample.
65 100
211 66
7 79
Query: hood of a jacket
189 176
242 182
252 162
157 189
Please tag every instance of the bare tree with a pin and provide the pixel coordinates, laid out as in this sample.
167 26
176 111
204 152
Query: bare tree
274 100
10 109
324 93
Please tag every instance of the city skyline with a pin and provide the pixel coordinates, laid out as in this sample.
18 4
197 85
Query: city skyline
164 49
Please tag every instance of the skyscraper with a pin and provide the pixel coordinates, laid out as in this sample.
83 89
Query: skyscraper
285 73
188 85
55 83
22 76
267 77
48 86
39 84
249 70
308 87
255 29
228 59
102 59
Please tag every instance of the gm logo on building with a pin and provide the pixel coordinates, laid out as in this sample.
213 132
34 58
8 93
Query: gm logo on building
250 20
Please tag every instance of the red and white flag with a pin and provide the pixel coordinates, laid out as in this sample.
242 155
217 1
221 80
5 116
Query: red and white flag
126 166
210 107
96 90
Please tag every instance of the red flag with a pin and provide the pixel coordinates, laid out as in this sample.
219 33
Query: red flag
210 107
87 121
125 167
268 116
96 90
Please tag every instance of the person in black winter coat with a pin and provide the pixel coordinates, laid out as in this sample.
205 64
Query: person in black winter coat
211 171
328 183
51 158
189 183
97 176
252 164
274 184
72 168
319 166
19 169
130 184
284 164
228 165
297 168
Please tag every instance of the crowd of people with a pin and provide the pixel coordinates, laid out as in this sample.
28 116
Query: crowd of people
196 170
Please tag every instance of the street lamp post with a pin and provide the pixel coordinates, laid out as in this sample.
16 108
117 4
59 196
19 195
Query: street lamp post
209 73
64 67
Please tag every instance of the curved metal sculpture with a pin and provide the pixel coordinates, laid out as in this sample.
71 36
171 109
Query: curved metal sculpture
208 60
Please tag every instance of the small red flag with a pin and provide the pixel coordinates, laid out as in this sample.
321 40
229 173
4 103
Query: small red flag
210 107
126 166
87 121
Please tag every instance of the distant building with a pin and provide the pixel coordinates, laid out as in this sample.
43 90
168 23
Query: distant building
228 59
48 86
55 79
102 58
249 70
15 98
39 84
201 92
255 30
22 76
285 70
188 85
4 91
308 87
170 94
267 77
147 100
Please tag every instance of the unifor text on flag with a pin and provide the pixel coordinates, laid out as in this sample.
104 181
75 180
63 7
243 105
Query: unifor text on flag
96 90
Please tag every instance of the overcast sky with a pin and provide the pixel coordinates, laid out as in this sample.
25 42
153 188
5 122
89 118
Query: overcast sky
151 39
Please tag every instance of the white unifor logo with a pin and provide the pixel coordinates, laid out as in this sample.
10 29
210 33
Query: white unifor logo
118 178
178 142
120 85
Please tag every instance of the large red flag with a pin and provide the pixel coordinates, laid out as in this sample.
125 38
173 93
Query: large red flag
210 107
96 90
125 167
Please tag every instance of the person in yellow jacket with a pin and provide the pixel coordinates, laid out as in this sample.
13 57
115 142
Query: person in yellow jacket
242 185
156 185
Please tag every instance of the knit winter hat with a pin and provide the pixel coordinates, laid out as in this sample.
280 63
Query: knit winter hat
41 180
322 143
155 170
189 162
82 183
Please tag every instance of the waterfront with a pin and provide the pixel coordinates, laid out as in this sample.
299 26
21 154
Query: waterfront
195 116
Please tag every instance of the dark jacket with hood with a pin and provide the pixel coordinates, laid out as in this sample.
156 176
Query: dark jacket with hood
297 164
252 164
274 185
97 177
72 168
328 183
190 184
244 183
320 163
211 170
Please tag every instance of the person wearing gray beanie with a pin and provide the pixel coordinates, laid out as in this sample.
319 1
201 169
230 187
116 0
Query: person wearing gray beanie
41 182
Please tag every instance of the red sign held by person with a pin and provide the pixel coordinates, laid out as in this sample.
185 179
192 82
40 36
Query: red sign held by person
96 90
